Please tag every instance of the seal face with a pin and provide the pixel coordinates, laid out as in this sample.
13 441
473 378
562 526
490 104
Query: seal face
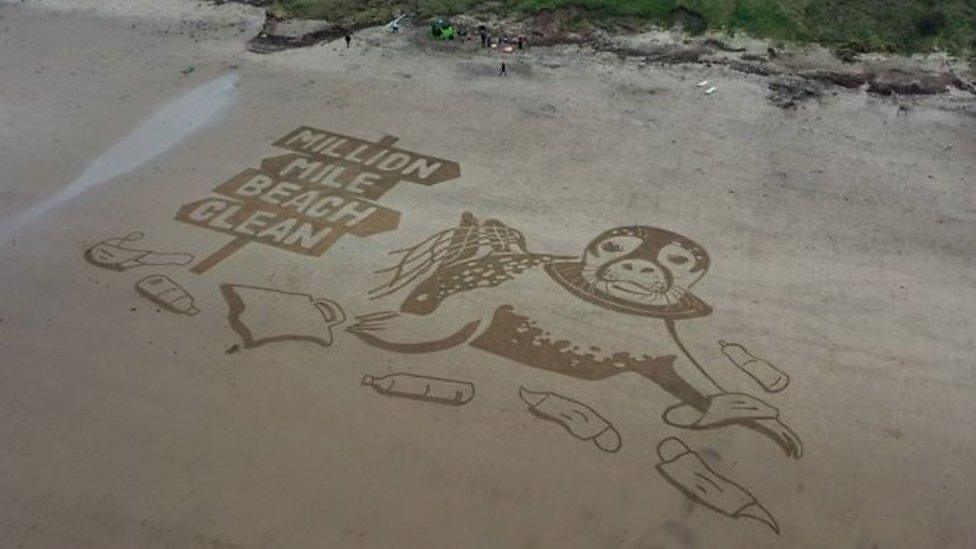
638 270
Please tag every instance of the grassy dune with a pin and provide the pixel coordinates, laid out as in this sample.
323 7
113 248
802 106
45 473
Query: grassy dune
875 25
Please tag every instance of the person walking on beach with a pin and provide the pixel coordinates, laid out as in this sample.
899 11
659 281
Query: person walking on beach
503 72
348 40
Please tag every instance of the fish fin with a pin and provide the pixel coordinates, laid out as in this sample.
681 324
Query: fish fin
758 512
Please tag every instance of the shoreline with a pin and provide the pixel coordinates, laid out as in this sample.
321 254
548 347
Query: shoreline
793 67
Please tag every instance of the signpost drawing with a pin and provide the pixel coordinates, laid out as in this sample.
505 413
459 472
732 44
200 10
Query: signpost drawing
305 200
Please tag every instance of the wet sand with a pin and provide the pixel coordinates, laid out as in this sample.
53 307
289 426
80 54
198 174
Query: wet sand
840 237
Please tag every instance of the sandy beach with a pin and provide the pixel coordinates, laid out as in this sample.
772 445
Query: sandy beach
832 244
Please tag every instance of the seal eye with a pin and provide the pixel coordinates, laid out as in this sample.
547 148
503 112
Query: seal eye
678 259
610 247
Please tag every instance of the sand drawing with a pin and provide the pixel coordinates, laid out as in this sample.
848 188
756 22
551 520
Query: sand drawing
579 419
167 294
473 255
266 315
643 273
765 374
430 389
734 408
118 255
305 200
686 470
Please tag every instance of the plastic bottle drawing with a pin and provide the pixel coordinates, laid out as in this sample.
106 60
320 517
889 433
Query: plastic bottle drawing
163 291
767 375
431 389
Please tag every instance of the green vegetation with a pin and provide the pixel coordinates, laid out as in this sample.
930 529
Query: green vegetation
365 12
863 25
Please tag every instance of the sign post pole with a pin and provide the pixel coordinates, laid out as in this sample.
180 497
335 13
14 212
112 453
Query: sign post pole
219 255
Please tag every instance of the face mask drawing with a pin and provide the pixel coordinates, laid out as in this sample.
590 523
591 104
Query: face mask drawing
265 315
638 270
117 254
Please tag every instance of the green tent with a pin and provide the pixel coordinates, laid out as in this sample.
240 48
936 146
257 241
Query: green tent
442 29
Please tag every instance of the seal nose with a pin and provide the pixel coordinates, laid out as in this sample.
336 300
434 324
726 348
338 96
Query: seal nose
630 266
639 271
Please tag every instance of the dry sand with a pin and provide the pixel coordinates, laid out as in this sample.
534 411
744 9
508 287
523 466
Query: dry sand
841 238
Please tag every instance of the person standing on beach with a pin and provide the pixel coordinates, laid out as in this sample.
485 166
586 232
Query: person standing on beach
348 40
503 72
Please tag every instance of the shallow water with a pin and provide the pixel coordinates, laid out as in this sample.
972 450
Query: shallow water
156 135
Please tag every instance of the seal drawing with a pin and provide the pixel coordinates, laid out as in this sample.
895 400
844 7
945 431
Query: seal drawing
638 275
